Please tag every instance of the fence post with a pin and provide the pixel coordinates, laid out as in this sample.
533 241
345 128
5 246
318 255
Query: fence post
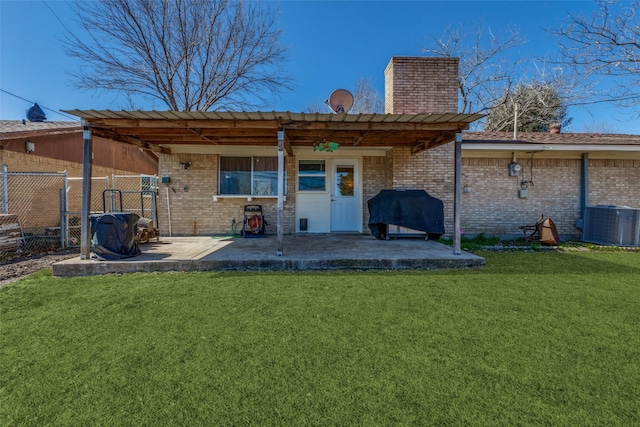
62 217
64 208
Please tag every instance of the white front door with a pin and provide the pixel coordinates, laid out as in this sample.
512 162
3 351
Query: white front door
345 208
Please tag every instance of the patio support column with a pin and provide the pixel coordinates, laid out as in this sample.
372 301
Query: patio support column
87 166
457 189
280 218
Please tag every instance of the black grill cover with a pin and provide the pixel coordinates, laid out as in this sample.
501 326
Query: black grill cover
114 235
414 209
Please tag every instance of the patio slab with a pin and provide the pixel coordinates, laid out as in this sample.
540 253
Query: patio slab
300 252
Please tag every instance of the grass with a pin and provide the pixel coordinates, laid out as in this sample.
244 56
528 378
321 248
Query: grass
531 339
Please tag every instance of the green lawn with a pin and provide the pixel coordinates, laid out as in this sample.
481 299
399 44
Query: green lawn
531 339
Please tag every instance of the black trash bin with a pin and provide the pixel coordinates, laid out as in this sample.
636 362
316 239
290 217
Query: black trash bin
114 235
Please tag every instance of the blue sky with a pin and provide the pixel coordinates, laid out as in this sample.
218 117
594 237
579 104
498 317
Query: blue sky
330 45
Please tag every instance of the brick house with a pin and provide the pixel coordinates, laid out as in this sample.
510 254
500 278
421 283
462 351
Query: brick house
561 173
214 163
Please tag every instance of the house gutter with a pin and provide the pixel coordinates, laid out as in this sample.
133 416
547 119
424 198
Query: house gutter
499 146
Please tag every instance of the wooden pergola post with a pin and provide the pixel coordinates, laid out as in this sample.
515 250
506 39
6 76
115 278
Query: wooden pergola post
87 166
280 219
457 189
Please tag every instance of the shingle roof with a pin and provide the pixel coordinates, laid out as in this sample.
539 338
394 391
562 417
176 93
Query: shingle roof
549 138
19 128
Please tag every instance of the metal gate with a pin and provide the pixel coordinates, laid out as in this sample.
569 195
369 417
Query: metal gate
122 193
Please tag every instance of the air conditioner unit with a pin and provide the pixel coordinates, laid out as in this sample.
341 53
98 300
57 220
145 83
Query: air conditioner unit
611 225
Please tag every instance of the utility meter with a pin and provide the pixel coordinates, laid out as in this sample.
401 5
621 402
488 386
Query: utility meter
514 169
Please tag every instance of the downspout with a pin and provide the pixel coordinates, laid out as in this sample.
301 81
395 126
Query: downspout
87 166
280 217
584 188
457 193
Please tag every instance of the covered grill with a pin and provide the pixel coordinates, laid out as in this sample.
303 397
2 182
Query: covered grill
413 209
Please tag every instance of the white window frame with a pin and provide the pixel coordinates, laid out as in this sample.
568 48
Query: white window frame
313 175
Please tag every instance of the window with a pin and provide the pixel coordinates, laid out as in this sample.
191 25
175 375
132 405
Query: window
249 176
344 181
311 175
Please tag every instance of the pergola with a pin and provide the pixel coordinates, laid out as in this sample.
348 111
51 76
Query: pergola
164 131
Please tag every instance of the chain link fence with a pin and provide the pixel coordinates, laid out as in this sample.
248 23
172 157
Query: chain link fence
30 212
41 212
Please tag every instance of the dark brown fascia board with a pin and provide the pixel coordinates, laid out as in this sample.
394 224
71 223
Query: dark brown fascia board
8 136
109 134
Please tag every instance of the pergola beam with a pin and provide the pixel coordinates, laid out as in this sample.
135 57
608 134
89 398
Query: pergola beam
126 139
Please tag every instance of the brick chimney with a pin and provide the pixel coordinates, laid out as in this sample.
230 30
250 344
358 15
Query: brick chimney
419 85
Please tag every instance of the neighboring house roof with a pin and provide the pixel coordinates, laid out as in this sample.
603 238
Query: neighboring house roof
23 128
162 130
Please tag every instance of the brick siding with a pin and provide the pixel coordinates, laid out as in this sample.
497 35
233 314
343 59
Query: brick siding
492 205
432 171
418 85
375 177
194 212
614 182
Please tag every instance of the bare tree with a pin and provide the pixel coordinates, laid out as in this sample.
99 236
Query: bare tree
532 107
317 106
599 127
606 45
366 100
192 55
486 72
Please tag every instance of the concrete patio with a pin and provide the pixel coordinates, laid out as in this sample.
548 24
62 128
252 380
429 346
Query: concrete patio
301 252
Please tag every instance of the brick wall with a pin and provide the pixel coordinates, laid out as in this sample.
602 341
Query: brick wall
417 85
614 182
376 176
492 205
431 171
194 212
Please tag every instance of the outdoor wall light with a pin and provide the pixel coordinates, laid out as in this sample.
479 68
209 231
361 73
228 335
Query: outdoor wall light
186 165
30 147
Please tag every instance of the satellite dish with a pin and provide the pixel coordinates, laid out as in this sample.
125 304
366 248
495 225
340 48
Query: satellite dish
340 100
35 114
